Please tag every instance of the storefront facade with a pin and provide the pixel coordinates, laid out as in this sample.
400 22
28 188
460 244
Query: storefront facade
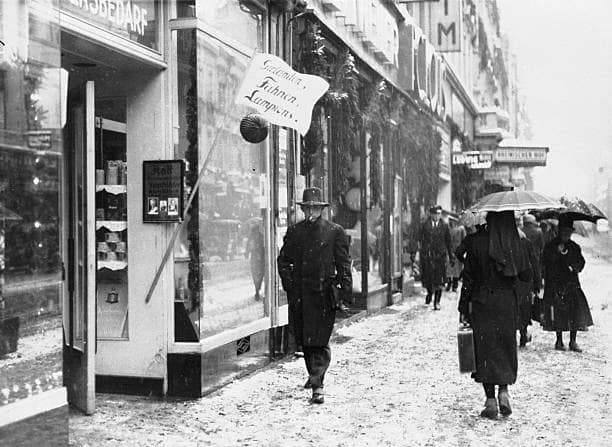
93 94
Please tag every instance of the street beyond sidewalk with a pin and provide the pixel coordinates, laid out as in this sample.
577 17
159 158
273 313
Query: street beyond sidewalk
393 381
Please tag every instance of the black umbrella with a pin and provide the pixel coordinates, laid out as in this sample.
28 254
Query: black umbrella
576 209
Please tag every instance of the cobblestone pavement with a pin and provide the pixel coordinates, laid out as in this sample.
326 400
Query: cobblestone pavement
393 381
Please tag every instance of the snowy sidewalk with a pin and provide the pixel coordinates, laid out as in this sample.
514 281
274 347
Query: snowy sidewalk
393 381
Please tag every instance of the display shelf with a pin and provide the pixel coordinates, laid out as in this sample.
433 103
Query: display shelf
111 225
112 189
112 265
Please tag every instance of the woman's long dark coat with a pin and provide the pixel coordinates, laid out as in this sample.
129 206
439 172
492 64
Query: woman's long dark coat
491 305
312 260
526 289
435 249
565 305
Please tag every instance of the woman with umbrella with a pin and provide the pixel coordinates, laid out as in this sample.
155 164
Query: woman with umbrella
495 261
565 305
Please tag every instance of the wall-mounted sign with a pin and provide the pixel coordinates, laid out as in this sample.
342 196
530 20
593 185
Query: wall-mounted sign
133 19
162 190
499 174
39 139
447 19
445 154
525 156
474 159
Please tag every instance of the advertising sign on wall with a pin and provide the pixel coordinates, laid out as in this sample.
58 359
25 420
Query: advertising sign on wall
474 159
283 96
133 19
162 190
446 19
526 156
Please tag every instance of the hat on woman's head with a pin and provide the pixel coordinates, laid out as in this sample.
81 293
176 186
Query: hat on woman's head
313 197
566 222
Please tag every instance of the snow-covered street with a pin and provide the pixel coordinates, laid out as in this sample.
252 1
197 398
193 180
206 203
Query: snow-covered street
393 381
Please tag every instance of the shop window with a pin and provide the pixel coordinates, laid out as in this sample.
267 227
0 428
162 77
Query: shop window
220 257
238 20
31 223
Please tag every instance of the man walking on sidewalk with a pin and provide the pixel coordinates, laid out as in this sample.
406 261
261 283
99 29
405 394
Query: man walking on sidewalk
315 270
435 247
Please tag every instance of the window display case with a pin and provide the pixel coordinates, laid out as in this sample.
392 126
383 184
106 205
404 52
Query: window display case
111 228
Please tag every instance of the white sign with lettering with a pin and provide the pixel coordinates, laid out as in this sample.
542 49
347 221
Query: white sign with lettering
534 156
123 14
447 22
283 96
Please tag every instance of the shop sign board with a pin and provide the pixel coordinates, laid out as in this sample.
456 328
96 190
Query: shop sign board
530 156
498 174
133 19
445 154
39 139
283 96
447 20
474 159
162 190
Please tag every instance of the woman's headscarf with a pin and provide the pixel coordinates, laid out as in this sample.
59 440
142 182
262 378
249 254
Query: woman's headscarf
504 243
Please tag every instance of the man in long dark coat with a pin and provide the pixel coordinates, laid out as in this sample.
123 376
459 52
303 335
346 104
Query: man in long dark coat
565 305
435 243
314 267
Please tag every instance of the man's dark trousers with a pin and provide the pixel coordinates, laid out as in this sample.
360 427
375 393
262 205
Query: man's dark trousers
317 360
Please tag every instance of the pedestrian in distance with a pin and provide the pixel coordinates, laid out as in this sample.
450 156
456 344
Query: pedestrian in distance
525 289
435 248
534 233
315 271
565 305
494 262
453 264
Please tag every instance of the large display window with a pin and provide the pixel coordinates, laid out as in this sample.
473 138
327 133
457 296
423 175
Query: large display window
220 258
31 162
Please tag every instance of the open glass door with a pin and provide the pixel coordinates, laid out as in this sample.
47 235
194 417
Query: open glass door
79 212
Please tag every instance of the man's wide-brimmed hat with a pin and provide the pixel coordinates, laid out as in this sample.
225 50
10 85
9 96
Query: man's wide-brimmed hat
313 197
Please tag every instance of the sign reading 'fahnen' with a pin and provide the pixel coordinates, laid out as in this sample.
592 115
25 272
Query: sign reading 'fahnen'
283 96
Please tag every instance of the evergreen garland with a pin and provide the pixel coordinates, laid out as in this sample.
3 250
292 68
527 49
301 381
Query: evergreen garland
417 136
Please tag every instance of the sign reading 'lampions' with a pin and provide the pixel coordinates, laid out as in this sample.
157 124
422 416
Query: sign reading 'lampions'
283 96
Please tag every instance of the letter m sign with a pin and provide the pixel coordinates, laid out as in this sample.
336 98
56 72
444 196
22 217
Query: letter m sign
447 34
446 30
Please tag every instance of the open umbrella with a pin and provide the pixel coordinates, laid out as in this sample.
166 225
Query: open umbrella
515 201
575 209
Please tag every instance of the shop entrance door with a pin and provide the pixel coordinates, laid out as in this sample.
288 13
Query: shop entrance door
80 237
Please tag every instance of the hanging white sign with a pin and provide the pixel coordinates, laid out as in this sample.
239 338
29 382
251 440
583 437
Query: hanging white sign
283 96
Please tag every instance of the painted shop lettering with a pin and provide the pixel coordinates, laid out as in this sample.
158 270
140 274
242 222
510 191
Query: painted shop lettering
283 74
119 12
257 99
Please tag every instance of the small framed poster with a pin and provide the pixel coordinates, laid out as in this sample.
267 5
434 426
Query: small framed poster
162 190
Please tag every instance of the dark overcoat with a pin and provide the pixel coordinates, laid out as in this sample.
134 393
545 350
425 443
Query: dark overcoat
526 289
313 260
565 305
491 305
536 237
435 244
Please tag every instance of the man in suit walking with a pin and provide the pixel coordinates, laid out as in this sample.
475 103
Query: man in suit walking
315 271
435 244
